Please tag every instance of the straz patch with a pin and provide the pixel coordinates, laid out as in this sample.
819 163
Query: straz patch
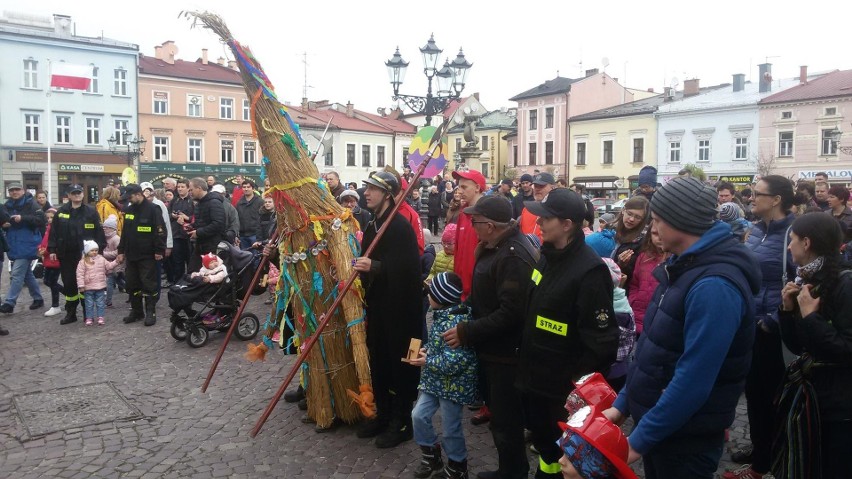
64 215
551 326
536 276
89 226
143 229
129 216
602 317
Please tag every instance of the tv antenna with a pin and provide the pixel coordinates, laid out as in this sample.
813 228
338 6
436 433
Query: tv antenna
305 85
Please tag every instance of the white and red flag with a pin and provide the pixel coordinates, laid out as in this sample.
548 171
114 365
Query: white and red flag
72 77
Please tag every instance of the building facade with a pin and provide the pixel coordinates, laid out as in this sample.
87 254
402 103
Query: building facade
72 127
544 111
797 128
490 131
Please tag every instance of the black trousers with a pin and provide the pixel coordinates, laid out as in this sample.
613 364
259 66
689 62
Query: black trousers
51 280
179 259
141 277
68 271
762 384
433 225
835 449
507 420
542 415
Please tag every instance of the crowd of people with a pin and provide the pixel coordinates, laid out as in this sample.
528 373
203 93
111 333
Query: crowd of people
685 299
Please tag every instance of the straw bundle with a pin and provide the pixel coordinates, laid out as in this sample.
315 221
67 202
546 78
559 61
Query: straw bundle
317 248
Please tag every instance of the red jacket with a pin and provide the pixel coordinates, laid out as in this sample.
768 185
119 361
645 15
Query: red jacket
407 212
48 263
642 286
465 259
529 224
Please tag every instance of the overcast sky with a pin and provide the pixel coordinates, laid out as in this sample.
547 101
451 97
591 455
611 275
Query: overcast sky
513 46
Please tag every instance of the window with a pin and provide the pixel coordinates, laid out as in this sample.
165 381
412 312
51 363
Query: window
405 157
533 152
741 148
249 152
533 119
195 149
193 106
515 155
638 150
365 155
581 154
674 152
161 103
607 152
31 127
30 74
93 85
484 168
548 117
703 150
246 110
785 143
458 144
829 145
120 128
93 131
548 152
119 85
380 156
485 142
350 155
161 148
831 111
63 129
226 151
226 108
329 156
786 115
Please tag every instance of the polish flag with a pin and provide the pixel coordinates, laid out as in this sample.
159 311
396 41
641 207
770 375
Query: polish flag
72 77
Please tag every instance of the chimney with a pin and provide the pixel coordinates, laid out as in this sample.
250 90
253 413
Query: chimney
232 64
765 70
304 103
204 56
158 52
476 95
350 109
803 74
395 114
62 25
220 61
651 90
169 51
593 71
667 93
690 87
739 81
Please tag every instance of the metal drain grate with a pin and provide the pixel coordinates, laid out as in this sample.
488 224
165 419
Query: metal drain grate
71 407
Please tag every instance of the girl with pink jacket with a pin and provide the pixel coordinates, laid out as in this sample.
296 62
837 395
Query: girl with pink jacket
91 281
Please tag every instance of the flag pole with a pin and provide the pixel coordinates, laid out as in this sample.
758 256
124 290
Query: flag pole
47 134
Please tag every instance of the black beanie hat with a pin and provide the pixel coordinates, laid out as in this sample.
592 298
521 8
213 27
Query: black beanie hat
687 204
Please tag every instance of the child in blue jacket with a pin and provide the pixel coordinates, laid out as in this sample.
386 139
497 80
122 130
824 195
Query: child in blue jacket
448 381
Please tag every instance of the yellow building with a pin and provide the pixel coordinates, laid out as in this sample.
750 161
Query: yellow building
610 146
491 128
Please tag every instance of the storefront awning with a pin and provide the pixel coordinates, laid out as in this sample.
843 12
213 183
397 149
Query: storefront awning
586 179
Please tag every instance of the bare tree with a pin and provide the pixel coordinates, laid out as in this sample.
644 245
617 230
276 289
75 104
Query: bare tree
765 164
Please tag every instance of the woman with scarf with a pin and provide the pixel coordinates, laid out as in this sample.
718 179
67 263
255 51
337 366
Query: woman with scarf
110 205
816 322
630 229
454 208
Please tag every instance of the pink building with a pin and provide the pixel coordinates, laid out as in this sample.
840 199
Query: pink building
543 113
798 128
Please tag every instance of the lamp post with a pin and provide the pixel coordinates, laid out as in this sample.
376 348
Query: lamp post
451 80
835 137
125 145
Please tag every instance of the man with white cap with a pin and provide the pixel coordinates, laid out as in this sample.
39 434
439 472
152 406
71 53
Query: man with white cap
148 191
695 351
232 218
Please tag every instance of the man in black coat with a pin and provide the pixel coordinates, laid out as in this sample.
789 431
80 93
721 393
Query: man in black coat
248 211
394 298
143 243
181 210
208 228
73 223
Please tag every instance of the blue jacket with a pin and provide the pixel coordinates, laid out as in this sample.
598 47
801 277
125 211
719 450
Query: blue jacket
695 352
24 236
767 244
603 242
449 373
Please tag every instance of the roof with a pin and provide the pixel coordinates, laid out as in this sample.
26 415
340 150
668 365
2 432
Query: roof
395 125
550 87
831 85
493 120
212 71
336 113
723 97
7 26
638 107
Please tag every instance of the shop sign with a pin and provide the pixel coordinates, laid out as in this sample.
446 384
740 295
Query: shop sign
82 168
839 175
737 179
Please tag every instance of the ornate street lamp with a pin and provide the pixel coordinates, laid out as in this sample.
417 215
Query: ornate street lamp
835 135
451 80
125 145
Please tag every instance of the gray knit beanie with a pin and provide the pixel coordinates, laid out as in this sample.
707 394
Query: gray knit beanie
687 204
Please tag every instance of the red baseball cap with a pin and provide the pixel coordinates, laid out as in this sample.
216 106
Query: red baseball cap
471 175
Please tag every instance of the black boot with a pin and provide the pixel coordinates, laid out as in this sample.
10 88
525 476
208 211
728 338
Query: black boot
453 470
70 312
150 310
3 331
135 309
430 461
372 427
295 395
399 429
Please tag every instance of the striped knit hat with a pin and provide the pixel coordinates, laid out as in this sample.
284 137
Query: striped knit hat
686 204
446 288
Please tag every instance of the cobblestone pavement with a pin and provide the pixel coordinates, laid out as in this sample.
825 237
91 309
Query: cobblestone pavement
181 432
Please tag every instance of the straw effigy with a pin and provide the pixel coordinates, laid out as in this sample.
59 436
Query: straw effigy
316 249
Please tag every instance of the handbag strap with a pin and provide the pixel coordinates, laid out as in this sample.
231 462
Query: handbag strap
784 256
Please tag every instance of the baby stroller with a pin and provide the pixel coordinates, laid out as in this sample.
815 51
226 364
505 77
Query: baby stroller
219 302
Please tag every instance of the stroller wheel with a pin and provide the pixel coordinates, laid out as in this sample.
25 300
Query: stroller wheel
247 327
197 335
178 330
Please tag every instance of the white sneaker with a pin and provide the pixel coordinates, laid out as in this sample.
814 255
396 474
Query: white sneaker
53 311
